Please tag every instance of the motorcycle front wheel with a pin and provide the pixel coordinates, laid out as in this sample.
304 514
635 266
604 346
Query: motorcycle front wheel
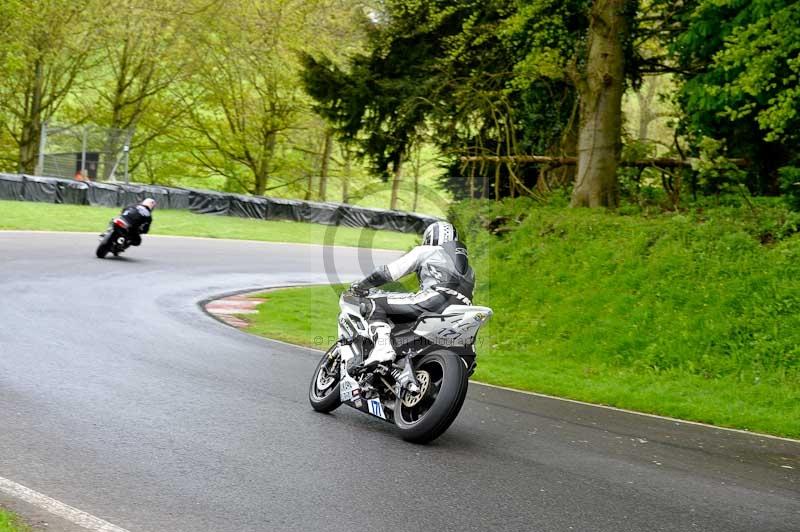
443 381
323 394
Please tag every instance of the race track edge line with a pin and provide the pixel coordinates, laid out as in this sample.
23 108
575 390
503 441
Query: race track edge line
64 511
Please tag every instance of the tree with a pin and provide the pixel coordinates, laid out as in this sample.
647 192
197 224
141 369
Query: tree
143 47
48 50
325 163
457 72
251 103
600 87
493 80
647 114
742 82
247 98
8 12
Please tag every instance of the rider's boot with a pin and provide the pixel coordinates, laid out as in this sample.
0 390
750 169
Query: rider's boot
383 351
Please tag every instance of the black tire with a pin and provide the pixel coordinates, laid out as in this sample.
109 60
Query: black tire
105 245
326 399
441 400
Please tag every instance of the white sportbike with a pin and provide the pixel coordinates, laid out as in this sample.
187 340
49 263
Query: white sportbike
423 390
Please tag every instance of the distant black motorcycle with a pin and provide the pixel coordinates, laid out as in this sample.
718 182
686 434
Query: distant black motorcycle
115 239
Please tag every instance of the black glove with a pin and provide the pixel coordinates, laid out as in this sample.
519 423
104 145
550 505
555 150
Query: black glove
358 290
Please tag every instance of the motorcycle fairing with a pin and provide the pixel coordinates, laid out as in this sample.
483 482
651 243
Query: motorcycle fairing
457 325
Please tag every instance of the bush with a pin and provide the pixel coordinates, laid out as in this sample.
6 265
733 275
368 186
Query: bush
790 185
715 172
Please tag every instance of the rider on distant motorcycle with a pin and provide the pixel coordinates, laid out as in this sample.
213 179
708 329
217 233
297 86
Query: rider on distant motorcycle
138 216
445 278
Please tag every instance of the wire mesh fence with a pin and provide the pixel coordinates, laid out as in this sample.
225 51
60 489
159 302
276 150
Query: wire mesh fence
84 152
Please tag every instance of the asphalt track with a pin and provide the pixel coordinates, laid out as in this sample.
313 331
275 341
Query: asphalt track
119 397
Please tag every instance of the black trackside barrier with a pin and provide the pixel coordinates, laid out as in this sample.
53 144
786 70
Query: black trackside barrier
73 192
320 213
248 206
11 187
283 209
359 218
206 202
103 194
43 189
55 190
178 198
130 194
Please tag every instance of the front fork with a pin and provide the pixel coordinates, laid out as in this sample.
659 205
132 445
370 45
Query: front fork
349 389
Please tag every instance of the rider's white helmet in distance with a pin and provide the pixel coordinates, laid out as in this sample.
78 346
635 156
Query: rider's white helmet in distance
439 233
150 203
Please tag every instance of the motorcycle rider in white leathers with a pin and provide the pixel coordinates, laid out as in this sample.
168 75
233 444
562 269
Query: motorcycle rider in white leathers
445 278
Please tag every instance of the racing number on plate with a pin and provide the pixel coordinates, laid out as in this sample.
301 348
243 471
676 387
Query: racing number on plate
376 408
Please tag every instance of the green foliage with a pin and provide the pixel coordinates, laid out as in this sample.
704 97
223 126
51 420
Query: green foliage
10 523
741 64
694 314
252 82
762 60
715 172
211 89
42 52
476 77
790 185
630 178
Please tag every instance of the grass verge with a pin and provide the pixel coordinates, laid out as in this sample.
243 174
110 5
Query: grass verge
19 215
690 315
303 316
11 523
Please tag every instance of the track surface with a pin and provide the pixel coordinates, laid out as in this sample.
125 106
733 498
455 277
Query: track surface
120 397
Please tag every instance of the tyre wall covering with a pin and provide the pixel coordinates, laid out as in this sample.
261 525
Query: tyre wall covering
53 190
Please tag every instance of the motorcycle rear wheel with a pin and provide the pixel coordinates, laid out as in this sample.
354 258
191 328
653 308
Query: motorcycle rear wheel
323 393
444 381
105 245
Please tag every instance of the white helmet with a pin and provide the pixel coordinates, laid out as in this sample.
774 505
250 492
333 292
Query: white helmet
150 203
439 233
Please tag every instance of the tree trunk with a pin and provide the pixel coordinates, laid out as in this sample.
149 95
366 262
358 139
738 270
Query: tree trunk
29 146
309 186
416 192
600 89
113 135
497 181
398 177
569 145
646 114
327 145
261 183
417 168
262 172
346 178
32 125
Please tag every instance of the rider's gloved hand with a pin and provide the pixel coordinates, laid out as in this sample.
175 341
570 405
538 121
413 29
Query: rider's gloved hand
358 290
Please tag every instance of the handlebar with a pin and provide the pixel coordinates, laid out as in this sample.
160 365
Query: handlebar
372 291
